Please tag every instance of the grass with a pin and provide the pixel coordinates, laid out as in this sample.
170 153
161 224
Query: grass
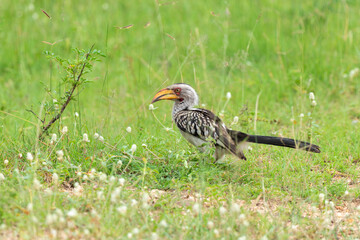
269 54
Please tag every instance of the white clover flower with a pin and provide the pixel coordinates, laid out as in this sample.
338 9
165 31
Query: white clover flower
122 210
128 129
20 155
103 177
72 213
222 210
101 139
144 145
2 177
135 231
133 202
112 179
115 194
210 224
353 73
53 138
129 235
216 232
313 103
51 218
235 208
301 115
60 154
250 148
145 197
242 238
37 184
242 217
154 236
55 178
321 197
311 96
119 163
6 162
64 130
29 207
196 208
100 195
78 189
76 114
85 177
151 107
96 135
331 203
121 181
236 120
228 95
133 148
346 193
86 231
163 224
29 156
85 138
55 101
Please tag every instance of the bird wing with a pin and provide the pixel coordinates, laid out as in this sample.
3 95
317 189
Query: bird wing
204 124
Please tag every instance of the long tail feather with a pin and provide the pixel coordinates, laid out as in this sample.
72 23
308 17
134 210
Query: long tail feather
283 142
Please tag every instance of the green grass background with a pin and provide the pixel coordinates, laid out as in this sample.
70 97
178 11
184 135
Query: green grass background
278 51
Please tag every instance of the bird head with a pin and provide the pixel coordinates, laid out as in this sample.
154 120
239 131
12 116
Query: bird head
181 93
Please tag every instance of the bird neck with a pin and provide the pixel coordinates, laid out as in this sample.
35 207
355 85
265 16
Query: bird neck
179 106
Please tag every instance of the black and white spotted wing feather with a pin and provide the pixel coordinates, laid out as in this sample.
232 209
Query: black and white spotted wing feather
200 125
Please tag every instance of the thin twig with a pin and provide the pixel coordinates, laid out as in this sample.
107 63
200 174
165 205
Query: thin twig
29 110
54 119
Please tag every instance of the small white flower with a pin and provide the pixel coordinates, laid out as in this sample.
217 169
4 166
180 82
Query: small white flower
133 202
313 103
122 210
55 178
301 115
210 224
128 129
311 96
133 148
101 139
353 73
60 154
112 179
121 181
129 235
85 138
86 231
78 189
331 203
144 145
115 195
37 184
20 155
228 95
235 208
76 114
242 217
29 156
242 238
72 213
250 148
2 177
53 138
151 107
135 231
29 207
85 177
100 195
96 135
216 232
103 177
163 224
203 105
154 236
222 210
321 197
196 208
64 130
145 197
346 193
51 218
6 162
236 120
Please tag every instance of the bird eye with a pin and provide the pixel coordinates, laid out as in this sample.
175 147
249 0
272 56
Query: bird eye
177 90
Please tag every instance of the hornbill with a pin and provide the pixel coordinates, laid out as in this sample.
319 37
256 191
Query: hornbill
200 126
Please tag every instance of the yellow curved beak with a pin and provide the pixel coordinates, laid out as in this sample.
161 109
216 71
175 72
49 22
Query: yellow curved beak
164 94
